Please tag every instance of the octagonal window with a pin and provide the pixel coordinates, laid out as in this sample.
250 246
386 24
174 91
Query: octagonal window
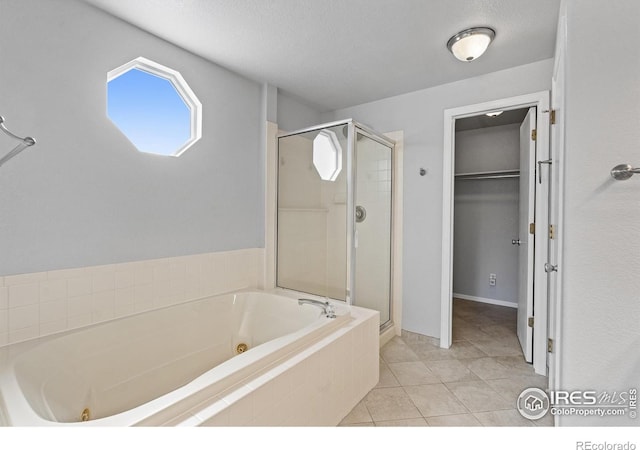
327 155
153 107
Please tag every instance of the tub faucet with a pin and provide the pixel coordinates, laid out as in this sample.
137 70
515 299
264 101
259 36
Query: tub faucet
327 308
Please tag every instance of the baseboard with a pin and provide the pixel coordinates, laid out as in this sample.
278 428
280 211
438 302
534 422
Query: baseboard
387 335
491 301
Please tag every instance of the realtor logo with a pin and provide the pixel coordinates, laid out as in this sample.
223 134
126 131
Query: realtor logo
533 403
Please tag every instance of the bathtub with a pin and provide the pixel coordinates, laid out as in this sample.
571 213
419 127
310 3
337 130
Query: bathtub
233 359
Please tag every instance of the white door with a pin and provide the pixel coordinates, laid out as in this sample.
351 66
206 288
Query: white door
526 217
555 219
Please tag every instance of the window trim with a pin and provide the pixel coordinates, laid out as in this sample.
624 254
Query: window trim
337 154
181 86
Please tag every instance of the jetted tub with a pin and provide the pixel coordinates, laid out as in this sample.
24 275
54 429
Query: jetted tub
154 367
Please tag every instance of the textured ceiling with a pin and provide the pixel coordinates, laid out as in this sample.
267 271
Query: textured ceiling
338 53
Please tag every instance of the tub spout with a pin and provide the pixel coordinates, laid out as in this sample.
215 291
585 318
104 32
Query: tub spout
326 307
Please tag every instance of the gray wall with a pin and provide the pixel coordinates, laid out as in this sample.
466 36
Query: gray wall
486 214
296 114
83 195
421 115
599 346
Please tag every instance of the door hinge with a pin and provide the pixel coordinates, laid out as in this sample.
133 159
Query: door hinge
532 228
550 345
552 117
530 322
551 232
534 134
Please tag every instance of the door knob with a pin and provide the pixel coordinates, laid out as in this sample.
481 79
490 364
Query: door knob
550 268
515 242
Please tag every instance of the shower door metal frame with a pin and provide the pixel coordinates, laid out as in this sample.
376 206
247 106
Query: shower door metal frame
351 197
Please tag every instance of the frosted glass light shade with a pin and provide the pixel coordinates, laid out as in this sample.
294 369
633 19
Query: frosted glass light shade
470 44
327 155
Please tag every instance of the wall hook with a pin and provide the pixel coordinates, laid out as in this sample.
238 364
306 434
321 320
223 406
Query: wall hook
24 143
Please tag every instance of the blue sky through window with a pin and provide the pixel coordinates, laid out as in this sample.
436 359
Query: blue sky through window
149 111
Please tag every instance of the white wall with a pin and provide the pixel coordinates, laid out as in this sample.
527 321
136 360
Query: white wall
486 214
600 300
420 115
84 195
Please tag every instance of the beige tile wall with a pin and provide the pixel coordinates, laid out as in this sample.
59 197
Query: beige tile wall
43 303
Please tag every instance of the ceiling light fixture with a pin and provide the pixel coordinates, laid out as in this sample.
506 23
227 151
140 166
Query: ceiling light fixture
494 113
469 44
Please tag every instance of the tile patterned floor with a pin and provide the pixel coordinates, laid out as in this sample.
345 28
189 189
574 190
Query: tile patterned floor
474 383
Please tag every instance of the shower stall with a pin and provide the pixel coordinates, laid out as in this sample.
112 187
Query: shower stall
334 214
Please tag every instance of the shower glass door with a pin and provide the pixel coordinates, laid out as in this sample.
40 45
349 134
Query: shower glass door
372 235
312 212
334 215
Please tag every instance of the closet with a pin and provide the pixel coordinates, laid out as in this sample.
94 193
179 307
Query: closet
491 259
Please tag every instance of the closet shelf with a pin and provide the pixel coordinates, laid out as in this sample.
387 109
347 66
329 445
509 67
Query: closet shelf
491 175
313 210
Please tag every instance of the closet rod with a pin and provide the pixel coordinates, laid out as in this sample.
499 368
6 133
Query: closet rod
489 177
24 143
492 175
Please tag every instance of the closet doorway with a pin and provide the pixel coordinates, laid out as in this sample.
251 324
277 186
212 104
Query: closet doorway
494 200
524 233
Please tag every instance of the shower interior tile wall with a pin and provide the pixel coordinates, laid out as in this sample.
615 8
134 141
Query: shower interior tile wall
43 303
374 190
311 221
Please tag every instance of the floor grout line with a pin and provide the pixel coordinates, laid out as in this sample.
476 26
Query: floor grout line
492 334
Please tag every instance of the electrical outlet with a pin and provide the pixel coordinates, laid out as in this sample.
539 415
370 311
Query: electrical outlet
492 279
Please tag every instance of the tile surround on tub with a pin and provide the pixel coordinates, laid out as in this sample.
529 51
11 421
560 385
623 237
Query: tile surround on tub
38 304
315 387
